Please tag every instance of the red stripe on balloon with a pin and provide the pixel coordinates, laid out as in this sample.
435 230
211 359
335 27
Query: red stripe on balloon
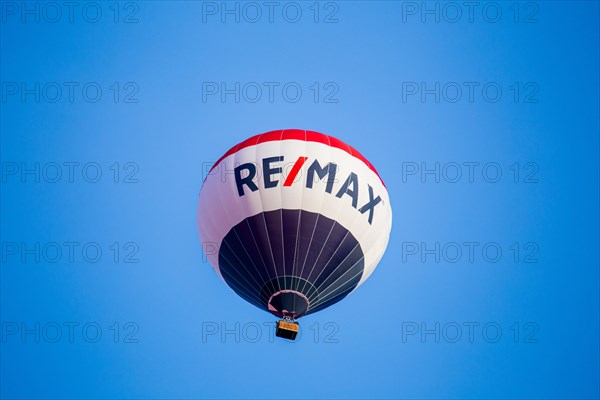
298 134
295 169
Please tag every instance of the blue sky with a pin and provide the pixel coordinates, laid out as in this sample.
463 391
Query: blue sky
511 88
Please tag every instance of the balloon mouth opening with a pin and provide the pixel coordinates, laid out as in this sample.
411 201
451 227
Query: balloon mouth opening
288 304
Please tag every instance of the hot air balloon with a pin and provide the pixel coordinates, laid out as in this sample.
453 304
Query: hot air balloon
298 219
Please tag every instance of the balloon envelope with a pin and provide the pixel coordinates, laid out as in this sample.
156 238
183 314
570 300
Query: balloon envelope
293 220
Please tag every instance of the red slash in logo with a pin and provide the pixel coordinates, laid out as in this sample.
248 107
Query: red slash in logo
295 169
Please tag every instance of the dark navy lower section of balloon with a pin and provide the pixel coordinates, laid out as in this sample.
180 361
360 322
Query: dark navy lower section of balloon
291 250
